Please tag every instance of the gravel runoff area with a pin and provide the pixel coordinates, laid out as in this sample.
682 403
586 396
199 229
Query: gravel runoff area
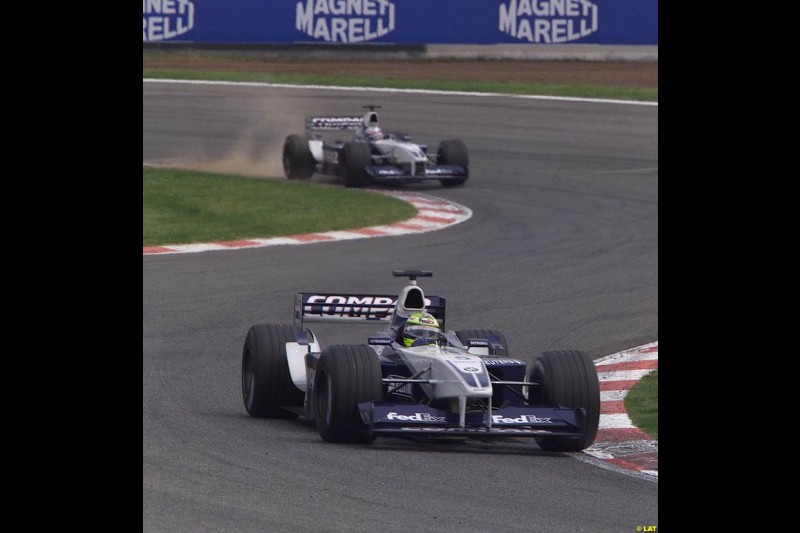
615 68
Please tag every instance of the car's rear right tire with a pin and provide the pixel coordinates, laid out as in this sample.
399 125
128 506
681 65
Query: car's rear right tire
267 385
356 156
346 375
298 162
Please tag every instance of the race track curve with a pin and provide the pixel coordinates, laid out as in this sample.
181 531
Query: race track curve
561 253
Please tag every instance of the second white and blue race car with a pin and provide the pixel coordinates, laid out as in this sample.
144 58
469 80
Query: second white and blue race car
461 383
371 156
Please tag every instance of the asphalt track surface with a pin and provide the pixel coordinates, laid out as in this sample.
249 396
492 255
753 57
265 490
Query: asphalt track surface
561 253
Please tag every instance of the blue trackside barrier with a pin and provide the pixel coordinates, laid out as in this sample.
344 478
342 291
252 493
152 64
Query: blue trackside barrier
617 22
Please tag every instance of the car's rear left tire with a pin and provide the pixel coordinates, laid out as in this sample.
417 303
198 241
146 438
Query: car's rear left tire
346 375
568 378
298 162
267 385
453 152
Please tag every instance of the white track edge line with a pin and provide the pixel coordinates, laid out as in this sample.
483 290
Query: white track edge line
394 90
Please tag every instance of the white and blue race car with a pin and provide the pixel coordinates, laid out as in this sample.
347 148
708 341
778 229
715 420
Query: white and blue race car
371 156
463 384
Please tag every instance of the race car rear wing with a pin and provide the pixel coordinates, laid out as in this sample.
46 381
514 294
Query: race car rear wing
333 123
328 307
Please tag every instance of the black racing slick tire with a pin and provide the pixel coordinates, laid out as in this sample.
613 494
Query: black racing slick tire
346 375
267 385
298 162
569 379
453 152
356 156
466 334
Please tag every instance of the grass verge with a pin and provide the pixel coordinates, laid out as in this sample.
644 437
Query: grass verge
181 206
579 91
641 403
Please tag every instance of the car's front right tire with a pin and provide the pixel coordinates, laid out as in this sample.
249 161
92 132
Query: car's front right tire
346 375
355 157
298 162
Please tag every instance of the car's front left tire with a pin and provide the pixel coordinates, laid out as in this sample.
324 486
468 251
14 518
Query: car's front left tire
453 152
568 378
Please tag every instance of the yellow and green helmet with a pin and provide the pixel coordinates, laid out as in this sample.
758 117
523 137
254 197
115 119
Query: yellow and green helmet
420 325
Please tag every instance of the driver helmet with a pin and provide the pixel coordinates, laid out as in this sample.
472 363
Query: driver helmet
374 133
420 325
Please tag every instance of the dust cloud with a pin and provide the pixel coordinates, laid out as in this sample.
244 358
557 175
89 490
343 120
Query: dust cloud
250 155
257 149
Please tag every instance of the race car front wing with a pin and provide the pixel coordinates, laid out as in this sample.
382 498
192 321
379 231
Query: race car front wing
388 173
512 421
